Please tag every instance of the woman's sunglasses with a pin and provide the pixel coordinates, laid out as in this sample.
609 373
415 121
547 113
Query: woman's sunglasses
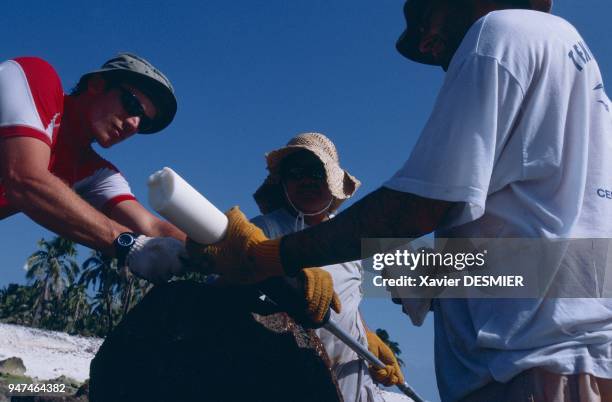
301 172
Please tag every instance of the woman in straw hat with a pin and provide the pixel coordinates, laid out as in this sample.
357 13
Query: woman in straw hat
304 187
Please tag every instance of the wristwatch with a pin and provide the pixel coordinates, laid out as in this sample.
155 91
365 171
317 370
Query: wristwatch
123 244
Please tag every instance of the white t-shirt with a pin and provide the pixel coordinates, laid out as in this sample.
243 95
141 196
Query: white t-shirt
521 139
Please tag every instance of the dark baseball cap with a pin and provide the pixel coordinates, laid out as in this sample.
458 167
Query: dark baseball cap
409 40
143 75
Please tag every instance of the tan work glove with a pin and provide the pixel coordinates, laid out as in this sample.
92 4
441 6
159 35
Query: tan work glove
319 293
391 374
245 255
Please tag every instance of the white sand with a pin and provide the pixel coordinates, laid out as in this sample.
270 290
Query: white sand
48 354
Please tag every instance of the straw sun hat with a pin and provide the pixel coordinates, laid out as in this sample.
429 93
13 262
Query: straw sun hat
342 185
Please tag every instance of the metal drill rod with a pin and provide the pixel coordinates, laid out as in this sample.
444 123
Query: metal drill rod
365 354
358 348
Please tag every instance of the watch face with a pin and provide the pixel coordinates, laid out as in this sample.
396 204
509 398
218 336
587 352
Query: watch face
125 239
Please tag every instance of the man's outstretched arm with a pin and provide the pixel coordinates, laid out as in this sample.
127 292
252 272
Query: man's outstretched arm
382 213
246 255
31 188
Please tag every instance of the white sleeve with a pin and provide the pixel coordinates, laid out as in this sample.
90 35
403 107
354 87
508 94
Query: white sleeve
17 106
104 189
455 155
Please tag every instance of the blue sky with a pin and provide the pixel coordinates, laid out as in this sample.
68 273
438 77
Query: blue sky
249 75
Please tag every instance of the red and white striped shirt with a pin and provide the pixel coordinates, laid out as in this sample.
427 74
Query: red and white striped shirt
32 105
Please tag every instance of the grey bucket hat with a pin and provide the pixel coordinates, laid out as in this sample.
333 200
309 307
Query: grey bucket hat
342 185
144 76
408 42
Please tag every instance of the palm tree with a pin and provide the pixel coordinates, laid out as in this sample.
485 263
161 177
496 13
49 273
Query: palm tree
52 269
16 304
117 290
75 307
394 346
133 290
102 273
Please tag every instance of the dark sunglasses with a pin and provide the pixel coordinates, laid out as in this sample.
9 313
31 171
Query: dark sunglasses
133 107
300 172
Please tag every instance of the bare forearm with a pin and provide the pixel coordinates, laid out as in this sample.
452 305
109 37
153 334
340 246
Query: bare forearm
383 213
133 215
51 203
166 229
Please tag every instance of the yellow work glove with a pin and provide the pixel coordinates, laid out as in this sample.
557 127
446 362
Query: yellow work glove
319 293
391 374
245 255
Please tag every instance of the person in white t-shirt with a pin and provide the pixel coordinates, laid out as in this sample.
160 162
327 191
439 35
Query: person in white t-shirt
306 185
519 144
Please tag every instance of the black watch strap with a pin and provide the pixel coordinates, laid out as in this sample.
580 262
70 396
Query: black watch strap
123 244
